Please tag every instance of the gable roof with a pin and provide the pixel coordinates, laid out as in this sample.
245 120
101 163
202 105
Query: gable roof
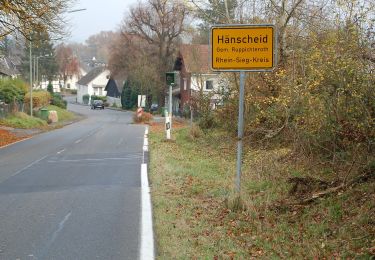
7 67
195 58
91 75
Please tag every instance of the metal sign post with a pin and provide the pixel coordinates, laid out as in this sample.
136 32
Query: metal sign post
240 131
241 48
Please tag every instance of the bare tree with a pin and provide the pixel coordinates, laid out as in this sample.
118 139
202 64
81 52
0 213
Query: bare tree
160 23
67 61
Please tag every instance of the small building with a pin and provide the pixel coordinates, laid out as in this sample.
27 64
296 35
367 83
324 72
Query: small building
114 88
93 83
194 76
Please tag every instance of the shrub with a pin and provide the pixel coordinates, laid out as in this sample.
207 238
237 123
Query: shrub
195 132
102 98
40 98
50 88
58 101
85 99
145 118
12 90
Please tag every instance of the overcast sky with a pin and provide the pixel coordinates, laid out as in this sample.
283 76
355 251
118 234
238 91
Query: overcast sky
99 16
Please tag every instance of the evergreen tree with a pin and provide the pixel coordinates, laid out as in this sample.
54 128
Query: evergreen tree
126 94
41 47
50 88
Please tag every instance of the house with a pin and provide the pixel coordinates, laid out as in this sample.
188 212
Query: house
114 88
93 83
194 76
71 80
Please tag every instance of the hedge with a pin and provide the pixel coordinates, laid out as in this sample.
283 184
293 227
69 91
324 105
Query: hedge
40 98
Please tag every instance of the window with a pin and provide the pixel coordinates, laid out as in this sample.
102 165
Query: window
209 84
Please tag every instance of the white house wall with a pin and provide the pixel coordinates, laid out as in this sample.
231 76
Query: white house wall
100 81
81 91
198 80
73 79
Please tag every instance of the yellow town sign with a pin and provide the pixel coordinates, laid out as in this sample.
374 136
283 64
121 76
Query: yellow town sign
243 47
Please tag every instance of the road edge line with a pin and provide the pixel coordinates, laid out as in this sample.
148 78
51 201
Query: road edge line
147 250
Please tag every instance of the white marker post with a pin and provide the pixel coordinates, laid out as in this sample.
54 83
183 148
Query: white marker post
168 117
167 126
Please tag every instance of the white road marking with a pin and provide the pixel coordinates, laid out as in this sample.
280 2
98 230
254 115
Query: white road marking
78 141
61 151
96 159
147 235
28 166
54 236
120 142
61 226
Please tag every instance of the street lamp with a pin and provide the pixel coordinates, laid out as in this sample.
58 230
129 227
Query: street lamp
31 66
76 10
37 66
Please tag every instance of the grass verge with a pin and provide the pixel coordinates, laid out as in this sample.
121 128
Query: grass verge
63 114
22 120
195 213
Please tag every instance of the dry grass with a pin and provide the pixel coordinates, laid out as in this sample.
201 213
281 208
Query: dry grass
196 217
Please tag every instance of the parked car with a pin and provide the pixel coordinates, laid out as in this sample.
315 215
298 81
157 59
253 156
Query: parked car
97 104
154 107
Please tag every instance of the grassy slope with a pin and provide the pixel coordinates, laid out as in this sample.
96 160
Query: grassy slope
22 120
195 216
63 114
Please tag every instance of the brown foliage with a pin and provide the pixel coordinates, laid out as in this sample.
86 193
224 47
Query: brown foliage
144 118
40 99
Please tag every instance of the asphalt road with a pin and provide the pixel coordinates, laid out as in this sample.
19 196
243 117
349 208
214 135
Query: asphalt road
73 193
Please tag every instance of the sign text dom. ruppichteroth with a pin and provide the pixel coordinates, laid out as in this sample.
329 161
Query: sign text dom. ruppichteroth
242 47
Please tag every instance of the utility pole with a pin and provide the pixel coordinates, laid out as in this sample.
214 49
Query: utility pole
31 81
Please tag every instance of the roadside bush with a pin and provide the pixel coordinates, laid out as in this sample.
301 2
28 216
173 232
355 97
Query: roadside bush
322 103
195 132
12 90
58 101
40 98
145 118
86 99
102 98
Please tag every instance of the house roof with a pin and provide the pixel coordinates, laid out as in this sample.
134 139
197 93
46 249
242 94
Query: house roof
195 58
7 67
91 75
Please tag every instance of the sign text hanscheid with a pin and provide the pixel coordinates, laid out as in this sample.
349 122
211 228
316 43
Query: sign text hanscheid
242 47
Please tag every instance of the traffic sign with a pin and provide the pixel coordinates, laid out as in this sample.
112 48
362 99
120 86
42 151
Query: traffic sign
243 48
169 76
